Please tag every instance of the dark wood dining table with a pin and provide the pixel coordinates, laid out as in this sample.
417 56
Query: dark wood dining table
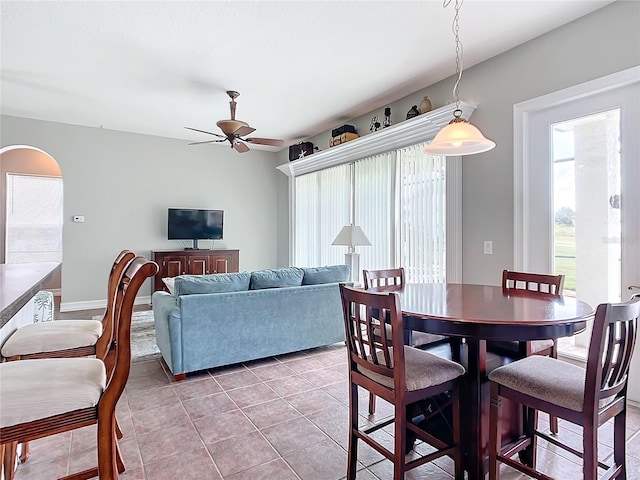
477 313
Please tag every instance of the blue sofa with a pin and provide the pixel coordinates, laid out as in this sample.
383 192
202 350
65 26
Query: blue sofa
214 320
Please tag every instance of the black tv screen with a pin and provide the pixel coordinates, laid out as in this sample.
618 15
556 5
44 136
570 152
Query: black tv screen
194 224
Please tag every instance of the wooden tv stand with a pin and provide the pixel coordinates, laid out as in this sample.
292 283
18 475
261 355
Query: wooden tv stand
193 262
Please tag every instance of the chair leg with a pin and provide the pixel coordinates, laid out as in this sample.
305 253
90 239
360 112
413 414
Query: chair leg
590 446
400 441
372 403
9 460
458 466
553 424
119 461
25 452
352 452
456 346
119 433
107 447
619 444
495 426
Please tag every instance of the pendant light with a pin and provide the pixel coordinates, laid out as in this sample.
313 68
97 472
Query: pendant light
459 137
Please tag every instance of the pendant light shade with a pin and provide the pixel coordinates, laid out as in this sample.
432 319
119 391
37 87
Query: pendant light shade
459 137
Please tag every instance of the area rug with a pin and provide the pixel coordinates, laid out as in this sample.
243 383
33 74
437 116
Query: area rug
143 336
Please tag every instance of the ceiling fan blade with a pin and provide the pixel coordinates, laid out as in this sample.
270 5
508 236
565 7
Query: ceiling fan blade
242 131
266 141
240 147
207 141
204 131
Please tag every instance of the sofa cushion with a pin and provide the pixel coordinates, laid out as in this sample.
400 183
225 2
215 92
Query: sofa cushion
329 274
216 283
276 278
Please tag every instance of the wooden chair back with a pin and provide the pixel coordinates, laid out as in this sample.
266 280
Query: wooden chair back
137 271
108 330
383 279
535 282
612 343
369 351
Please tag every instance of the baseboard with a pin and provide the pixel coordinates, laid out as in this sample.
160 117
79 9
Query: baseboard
97 304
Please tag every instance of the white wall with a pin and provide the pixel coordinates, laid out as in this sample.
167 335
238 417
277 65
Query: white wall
123 184
598 44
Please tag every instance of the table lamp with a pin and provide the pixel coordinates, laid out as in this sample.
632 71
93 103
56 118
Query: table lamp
350 236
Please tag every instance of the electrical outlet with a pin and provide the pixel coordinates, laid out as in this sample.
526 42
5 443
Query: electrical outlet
488 247
78 218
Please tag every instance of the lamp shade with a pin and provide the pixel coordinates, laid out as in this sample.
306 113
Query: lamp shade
351 235
459 137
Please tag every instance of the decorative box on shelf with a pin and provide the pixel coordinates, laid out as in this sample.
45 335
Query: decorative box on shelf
342 138
300 150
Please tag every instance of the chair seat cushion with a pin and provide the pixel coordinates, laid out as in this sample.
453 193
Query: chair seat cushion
511 347
544 378
419 338
540 345
423 338
37 389
422 370
52 336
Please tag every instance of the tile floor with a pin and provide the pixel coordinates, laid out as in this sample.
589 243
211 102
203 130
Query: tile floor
276 419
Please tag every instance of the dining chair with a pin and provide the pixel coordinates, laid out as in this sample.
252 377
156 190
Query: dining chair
68 338
534 282
400 374
587 397
388 280
78 391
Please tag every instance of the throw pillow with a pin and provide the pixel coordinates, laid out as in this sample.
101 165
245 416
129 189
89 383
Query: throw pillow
329 274
169 282
276 278
216 283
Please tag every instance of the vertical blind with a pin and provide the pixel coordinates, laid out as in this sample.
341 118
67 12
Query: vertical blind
33 219
422 212
399 201
321 210
374 209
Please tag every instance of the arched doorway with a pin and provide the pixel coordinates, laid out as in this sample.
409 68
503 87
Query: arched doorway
31 184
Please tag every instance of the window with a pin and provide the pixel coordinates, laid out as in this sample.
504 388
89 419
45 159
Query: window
399 201
34 219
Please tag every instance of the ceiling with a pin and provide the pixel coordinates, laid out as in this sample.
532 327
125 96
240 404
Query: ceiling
301 67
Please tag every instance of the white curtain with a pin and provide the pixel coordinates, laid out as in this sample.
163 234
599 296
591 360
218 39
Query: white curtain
422 215
374 185
33 219
321 210
399 201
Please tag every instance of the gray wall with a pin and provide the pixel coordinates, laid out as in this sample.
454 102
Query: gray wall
123 184
593 46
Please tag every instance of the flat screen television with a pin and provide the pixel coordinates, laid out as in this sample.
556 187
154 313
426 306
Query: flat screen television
194 224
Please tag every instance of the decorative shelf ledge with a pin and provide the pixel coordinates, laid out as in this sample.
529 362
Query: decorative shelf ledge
409 132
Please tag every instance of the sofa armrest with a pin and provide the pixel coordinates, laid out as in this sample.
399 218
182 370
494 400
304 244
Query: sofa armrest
166 315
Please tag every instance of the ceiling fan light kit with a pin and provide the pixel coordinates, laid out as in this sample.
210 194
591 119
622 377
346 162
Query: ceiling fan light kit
234 130
459 137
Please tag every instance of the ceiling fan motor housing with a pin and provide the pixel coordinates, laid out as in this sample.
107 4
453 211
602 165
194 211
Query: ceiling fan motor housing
228 127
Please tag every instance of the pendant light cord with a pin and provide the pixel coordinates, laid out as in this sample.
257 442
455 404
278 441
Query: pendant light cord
456 32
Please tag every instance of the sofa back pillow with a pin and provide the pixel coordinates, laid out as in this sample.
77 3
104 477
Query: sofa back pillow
276 278
329 274
216 283
169 282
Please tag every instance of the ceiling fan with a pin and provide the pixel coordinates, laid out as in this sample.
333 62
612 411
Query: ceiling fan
234 130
